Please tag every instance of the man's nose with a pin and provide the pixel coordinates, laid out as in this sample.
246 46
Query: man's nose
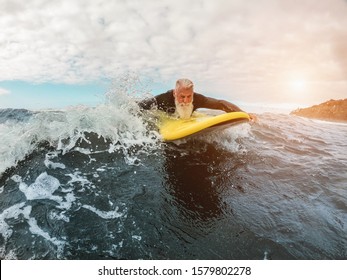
186 100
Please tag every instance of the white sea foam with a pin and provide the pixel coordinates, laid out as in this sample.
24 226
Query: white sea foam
35 229
105 214
43 188
119 122
137 237
6 231
53 165
226 138
11 212
69 200
76 177
58 217
11 255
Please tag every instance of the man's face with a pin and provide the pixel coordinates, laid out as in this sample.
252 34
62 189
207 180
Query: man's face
183 95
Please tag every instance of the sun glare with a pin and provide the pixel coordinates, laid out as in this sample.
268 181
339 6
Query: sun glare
298 85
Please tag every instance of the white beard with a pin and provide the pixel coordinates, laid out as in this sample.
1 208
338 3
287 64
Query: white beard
184 111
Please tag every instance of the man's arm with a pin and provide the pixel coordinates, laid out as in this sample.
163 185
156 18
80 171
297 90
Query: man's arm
225 106
164 102
228 107
216 104
148 103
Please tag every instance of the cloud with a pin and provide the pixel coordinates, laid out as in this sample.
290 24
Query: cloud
4 91
339 47
221 45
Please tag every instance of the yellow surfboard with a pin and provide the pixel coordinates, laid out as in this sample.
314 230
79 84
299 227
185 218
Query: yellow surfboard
173 129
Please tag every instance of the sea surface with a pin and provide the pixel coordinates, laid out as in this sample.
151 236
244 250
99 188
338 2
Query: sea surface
99 183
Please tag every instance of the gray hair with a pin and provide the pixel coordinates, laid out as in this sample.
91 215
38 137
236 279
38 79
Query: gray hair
184 83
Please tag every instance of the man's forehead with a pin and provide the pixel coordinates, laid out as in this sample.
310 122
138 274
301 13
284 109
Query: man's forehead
184 91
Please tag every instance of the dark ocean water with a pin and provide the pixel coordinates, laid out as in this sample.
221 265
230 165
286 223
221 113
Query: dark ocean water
98 183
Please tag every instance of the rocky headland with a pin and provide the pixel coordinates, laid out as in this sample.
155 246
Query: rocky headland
332 110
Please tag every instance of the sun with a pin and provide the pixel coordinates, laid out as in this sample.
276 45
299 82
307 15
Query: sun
298 85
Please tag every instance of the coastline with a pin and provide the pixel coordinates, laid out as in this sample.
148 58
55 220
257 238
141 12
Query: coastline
330 111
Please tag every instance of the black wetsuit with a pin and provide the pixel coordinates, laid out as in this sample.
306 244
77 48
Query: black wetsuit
166 102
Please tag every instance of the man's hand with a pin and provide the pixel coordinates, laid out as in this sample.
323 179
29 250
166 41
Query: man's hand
253 117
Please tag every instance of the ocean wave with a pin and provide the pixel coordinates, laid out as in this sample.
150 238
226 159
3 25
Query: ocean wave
98 183
87 130
15 115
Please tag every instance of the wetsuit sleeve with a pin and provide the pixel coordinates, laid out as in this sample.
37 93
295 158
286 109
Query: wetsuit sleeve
216 104
164 101
148 103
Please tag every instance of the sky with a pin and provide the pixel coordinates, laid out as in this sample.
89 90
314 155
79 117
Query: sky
70 52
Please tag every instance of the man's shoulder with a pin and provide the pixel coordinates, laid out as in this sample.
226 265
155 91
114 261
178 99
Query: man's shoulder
198 97
169 93
165 97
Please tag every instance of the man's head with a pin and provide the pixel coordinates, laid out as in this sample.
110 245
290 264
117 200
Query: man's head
184 93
